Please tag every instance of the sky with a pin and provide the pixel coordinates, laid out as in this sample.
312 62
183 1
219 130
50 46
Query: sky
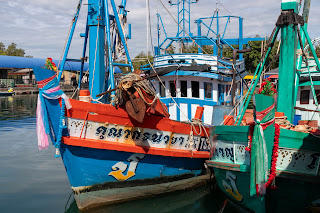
41 26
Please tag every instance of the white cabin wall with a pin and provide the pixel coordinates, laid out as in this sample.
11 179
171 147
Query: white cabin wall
201 87
308 115
184 115
207 114
215 94
185 102
189 89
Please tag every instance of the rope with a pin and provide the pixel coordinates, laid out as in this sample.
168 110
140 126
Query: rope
66 41
134 80
193 121
61 126
196 121
223 206
74 92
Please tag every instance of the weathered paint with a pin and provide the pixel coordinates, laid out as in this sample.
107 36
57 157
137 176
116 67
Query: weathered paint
287 71
290 5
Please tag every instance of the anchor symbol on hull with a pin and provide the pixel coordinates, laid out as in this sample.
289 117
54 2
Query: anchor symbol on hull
120 167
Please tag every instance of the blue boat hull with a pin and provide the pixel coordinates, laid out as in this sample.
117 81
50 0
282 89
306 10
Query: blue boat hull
117 176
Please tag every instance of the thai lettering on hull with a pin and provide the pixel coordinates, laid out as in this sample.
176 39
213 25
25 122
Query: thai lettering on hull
120 168
136 135
232 188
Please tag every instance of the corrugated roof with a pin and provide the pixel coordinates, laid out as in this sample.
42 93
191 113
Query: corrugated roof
23 62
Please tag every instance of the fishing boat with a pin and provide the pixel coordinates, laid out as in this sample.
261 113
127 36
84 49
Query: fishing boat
9 92
122 146
308 93
272 165
6 93
126 143
193 71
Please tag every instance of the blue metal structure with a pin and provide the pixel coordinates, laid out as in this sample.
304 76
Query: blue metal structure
206 33
183 11
99 24
204 76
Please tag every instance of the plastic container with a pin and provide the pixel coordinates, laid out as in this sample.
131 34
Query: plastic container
296 119
84 95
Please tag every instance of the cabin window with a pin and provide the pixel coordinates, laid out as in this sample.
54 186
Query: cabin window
173 91
317 96
162 89
304 96
207 90
184 88
195 89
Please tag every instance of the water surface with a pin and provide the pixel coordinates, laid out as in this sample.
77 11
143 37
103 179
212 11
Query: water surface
35 181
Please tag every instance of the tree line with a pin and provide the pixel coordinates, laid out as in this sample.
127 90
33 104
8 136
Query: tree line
252 58
12 50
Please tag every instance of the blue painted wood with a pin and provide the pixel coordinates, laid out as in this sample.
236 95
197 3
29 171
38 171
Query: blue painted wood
87 166
189 101
53 106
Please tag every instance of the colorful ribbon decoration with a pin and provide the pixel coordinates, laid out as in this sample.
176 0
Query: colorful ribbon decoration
49 91
259 155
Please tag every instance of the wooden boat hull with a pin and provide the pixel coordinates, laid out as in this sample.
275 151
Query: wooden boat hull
297 170
111 158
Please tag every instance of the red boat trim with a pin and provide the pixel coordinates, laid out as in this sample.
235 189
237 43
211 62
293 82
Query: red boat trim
42 83
96 144
105 113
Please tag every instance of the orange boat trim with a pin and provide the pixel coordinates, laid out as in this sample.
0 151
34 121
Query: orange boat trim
96 144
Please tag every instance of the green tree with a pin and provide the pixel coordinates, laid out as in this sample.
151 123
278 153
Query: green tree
141 59
137 62
171 49
2 49
253 57
207 49
12 50
193 48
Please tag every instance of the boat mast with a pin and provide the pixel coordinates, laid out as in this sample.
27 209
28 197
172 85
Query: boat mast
96 22
287 62
99 22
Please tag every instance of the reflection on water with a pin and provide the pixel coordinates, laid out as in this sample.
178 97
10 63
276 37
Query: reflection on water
17 106
207 199
35 181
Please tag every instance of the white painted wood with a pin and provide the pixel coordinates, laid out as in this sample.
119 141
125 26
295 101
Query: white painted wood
308 115
201 88
184 115
215 94
193 109
207 114
173 111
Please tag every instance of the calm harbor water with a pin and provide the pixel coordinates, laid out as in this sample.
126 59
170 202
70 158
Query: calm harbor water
35 181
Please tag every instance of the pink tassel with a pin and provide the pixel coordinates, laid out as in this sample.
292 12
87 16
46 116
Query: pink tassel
43 141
